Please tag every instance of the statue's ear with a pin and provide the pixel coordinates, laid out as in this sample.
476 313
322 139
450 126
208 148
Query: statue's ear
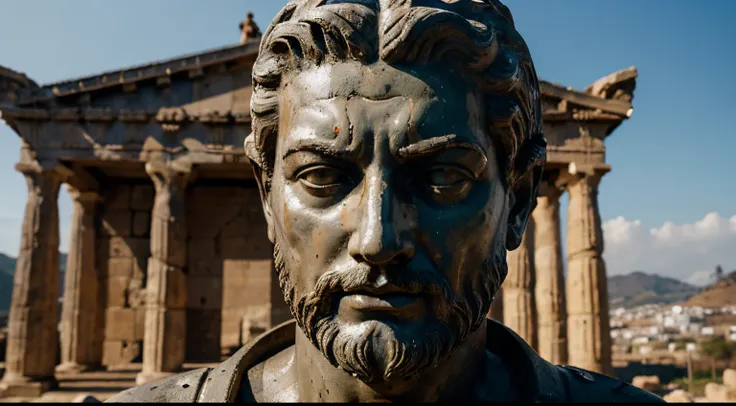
255 161
522 201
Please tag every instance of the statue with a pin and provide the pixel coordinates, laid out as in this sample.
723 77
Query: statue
249 29
398 149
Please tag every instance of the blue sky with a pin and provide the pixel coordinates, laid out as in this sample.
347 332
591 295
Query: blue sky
672 162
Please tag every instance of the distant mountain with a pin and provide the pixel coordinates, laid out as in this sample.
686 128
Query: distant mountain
7 270
722 293
639 288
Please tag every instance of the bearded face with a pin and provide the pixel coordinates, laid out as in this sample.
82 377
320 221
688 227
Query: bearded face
388 213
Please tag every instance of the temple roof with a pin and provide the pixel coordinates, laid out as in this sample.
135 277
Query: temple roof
608 98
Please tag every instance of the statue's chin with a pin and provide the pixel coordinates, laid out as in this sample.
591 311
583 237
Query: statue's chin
372 351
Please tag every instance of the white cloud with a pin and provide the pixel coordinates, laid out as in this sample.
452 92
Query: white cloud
688 252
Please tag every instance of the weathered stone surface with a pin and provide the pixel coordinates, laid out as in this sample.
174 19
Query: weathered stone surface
141 224
678 396
648 383
120 267
729 378
120 352
164 347
120 325
203 327
141 198
117 291
120 247
589 338
81 333
116 223
118 198
204 293
32 324
519 311
549 289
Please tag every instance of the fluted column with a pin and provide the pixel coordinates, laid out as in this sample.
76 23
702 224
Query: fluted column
518 288
164 340
549 292
587 298
32 326
81 336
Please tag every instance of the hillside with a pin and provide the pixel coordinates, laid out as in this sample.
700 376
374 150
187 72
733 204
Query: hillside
639 288
721 293
7 269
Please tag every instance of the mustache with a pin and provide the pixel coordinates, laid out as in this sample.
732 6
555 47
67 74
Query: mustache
362 277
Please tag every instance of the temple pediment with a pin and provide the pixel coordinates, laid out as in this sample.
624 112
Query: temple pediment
198 106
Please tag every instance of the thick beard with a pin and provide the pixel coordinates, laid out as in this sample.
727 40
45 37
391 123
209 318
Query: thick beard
398 355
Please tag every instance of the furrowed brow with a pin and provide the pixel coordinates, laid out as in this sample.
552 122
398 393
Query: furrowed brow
321 147
435 145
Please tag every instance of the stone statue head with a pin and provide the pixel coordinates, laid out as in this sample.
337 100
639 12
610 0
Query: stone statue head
398 148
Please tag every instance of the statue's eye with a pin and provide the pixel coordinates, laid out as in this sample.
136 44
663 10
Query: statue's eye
323 180
447 176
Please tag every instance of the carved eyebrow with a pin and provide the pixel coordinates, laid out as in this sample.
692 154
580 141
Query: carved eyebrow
438 144
322 147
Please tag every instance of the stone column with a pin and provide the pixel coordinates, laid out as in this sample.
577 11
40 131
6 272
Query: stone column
518 289
164 341
589 338
81 336
549 292
32 327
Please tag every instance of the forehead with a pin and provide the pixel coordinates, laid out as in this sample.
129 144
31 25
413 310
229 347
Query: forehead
435 99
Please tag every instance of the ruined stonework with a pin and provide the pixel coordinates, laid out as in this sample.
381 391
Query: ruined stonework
549 290
519 310
123 253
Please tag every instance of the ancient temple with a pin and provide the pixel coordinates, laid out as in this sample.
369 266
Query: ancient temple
169 260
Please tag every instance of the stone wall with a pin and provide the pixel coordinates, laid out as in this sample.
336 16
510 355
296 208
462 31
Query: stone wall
124 248
232 289
231 293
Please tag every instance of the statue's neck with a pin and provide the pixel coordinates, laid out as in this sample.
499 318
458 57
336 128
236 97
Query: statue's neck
455 378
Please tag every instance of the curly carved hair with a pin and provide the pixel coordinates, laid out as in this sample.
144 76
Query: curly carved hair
475 38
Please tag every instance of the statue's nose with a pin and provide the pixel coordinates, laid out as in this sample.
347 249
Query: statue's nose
383 235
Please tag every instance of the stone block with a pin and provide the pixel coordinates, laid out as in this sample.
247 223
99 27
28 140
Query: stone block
204 222
140 247
648 383
120 248
678 396
120 267
118 197
116 223
234 248
715 392
230 328
211 267
729 378
142 197
141 224
235 284
203 335
171 279
204 293
112 352
201 248
119 324
140 324
117 291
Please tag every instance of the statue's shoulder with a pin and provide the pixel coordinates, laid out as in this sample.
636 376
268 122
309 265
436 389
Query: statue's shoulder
223 383
180 388
587 386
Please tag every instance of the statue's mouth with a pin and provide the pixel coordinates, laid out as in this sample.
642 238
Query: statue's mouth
386 299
